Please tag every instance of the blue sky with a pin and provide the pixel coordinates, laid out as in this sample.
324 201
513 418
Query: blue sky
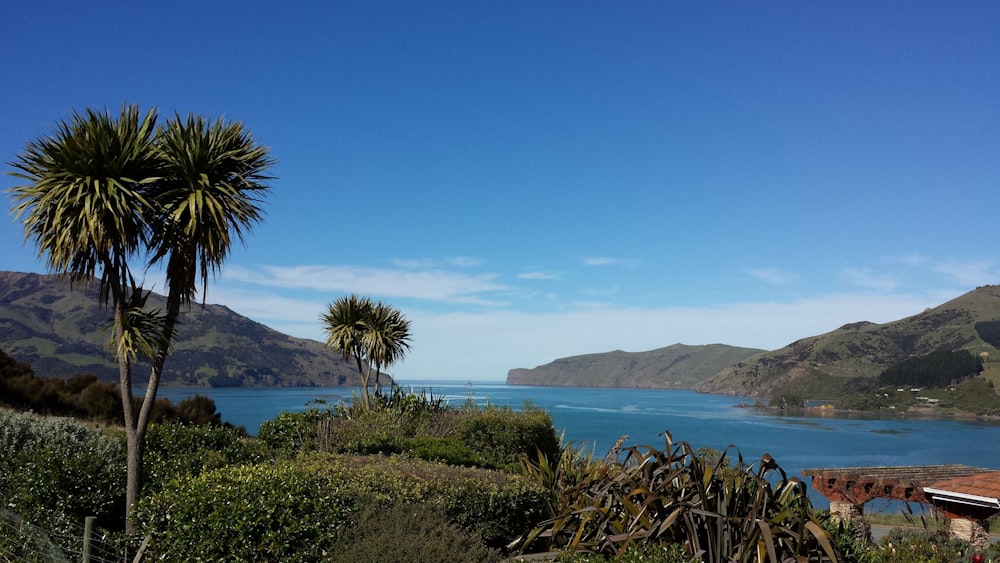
533 180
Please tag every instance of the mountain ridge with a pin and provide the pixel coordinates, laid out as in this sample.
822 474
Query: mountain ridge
678 366
62 331
864 349
829 361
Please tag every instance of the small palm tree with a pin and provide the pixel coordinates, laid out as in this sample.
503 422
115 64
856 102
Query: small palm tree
386 339
374 334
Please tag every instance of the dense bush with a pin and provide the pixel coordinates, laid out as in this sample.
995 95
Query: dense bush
281 512
500 435
83 396
937 369
920 546
977 396
24 543
175 451
292 432
446 450
989 331
54 472
490 437
409 532
291 510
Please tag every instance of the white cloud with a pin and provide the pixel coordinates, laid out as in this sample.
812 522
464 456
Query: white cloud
772 275
429 263
537 276
597 261
968 273
867 279
430 285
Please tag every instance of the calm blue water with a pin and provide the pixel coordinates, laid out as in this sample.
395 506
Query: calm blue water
598 417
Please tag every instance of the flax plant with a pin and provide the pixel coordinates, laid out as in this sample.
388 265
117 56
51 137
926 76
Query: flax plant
750 513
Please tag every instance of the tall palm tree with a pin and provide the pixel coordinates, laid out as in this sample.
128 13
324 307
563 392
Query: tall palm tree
104 191
210 195
212 185
374 334
86 208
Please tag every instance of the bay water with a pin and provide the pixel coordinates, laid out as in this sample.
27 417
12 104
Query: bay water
597 418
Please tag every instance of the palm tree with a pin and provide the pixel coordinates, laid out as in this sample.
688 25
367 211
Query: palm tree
372 333
344 324
103 191
386 339
209 196
85 207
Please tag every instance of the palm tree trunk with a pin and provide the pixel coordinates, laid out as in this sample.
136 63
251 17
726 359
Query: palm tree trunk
133 477
364 381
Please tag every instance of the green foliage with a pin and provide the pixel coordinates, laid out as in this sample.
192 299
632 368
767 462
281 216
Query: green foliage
372 333
54 472
292 432
24 543
634 553
977 396
672 496
937 369
918 546
83 396
446 450
293 510
500 435
989 332
409 532
418 425
180 451
280 512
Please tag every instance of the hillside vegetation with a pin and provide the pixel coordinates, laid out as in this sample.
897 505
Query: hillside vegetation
865 350
62 331
675 367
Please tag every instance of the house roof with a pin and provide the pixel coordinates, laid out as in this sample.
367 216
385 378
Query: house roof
981 489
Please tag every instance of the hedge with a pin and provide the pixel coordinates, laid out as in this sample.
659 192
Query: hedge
295 510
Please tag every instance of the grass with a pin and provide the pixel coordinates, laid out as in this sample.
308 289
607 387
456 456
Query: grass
934 521
991 371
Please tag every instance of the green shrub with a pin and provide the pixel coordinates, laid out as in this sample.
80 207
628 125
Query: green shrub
175 450
500 435
496 506
919 546
25 543
279 512
446 450
292 510
409 532
493 437
54 472
292 432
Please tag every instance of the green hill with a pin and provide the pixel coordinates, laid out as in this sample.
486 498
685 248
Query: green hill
62 332
674 367
828 362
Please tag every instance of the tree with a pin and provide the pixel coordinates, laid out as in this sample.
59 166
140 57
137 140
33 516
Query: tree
374 334
104 193
386 339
